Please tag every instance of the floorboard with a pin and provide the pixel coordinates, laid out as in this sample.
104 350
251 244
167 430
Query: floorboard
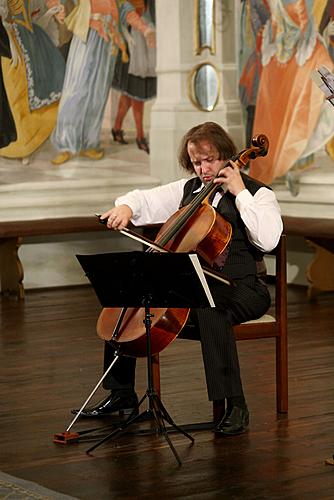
51 358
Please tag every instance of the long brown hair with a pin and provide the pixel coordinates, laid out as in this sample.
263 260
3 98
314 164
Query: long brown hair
207 131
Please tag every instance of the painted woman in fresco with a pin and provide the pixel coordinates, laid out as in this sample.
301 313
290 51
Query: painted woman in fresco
136 80
97 38
290 109
33 79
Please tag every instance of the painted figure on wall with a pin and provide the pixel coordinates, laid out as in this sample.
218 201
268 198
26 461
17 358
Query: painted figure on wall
254 15
136 79
50 15
290 109
323 11
33 79
97 38
7 124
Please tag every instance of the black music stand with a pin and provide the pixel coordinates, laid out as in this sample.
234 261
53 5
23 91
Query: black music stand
145 279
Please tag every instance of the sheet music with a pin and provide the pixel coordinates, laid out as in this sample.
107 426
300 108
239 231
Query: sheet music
200 274
324 79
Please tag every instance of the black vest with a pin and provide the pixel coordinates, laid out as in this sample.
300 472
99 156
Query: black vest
242 255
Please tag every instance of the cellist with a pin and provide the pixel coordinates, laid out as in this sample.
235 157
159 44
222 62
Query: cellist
253 211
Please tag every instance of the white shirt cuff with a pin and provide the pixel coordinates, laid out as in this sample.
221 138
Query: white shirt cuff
244 198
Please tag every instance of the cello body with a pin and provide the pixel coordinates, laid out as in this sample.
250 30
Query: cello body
166 325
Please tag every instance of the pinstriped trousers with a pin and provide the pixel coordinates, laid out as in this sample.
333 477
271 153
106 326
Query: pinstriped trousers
249 299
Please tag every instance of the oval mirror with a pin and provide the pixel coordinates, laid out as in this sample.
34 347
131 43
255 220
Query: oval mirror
204 88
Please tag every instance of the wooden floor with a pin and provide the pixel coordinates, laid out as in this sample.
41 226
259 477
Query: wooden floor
50 360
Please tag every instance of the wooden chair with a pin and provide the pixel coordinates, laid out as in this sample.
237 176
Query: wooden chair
266 327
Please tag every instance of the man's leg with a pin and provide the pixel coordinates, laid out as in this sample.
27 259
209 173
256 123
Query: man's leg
120 384
222 371
123 373
220 355
248 300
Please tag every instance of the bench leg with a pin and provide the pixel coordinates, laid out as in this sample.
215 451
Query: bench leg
11 270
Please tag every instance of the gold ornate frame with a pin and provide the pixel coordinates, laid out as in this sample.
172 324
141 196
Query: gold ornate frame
191 86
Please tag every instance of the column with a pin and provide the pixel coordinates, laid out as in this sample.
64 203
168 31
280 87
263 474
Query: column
183 63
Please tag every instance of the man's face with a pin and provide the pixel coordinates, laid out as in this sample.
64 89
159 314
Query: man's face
205 158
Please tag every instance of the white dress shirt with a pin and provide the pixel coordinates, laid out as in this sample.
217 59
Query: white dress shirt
260 213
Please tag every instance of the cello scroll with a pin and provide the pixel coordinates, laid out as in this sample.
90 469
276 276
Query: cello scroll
259 147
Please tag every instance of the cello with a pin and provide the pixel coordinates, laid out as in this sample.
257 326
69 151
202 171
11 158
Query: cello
197 227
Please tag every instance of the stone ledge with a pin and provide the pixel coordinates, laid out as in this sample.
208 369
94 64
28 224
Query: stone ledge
61 225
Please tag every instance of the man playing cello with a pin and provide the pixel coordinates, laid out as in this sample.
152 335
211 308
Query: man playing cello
254 214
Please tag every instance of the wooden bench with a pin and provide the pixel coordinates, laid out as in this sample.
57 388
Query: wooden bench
12 236
319 233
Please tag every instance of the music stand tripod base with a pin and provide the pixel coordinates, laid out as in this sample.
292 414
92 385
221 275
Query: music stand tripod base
157 409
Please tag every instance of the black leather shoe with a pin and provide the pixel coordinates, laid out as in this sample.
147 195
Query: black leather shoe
123 402
235 421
